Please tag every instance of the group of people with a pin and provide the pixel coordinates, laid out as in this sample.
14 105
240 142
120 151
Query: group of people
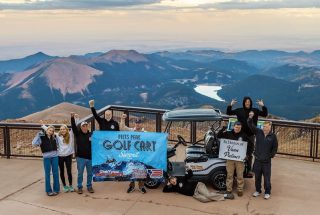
58 149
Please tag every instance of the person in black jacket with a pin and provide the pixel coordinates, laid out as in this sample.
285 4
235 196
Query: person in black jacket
232 165
83 153
107 123
198 190
266 147
242 116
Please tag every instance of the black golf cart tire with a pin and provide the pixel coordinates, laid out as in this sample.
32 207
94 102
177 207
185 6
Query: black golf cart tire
152 184
218 172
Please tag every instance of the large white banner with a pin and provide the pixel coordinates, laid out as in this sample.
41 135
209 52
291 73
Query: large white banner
232 149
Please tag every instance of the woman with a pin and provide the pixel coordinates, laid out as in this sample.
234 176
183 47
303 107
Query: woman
48 143
65 152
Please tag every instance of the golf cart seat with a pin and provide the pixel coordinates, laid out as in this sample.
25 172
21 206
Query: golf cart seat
202 158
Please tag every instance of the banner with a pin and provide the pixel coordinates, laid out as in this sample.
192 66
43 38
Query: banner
232 149
127 155
233 120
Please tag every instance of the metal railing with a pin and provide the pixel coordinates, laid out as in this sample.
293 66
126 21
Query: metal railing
296 139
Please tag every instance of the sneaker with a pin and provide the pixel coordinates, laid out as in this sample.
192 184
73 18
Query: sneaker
130 189
267 196
228 195
240 193
71 189
143 190
65 189
90 190
50 194
55 193
256 194
80 191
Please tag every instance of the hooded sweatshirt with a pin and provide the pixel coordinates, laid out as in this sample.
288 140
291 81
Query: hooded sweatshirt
183 186
243 115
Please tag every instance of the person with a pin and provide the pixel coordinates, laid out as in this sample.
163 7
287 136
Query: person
242 116
65 152
266 147
48 143
232 165
138 126
107 123
198 190
83 153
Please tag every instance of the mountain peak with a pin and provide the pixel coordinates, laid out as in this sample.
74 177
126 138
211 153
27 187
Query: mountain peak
122 56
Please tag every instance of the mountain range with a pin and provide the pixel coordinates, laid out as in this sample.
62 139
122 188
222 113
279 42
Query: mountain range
289 83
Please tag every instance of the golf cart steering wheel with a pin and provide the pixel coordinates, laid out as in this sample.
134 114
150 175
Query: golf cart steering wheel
181 140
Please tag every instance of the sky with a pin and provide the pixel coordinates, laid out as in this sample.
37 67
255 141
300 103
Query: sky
65 27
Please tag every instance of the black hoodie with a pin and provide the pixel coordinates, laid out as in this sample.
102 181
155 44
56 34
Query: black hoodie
82 141
104 124
243 115
183 186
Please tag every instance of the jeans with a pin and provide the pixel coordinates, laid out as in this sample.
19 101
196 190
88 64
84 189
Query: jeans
68 161
262 168
51 164
81 164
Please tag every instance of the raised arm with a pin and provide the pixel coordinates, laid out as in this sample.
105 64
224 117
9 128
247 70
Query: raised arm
73 124
252 127
229 108
189 174
94 112
123 126
264 111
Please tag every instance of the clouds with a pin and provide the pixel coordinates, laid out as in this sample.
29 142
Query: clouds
72 4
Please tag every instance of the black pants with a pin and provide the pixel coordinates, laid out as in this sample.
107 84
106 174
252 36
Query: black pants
250 148
262 168
68 161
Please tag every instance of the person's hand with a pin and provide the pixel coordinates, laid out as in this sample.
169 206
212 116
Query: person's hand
91 103
251 114
76 115
72 114
233 101
124 116
260 102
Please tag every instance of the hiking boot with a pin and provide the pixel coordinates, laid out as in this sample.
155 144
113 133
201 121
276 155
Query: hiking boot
65 189
228 195
90 190
143 190
256 194
240 193
130 189
80 191
267 196
71 188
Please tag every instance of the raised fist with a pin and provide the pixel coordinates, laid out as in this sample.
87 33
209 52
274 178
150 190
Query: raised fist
233 101
91 103
123 116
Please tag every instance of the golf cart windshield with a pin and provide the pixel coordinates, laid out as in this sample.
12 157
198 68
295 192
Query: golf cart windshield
193 115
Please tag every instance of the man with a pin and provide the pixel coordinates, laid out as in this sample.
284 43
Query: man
83 153
266 147
107 123
238 166
138 126
198 190
242 116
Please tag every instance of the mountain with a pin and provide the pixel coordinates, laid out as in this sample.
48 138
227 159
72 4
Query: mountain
306 76
165 80
283 98
59 113
17 65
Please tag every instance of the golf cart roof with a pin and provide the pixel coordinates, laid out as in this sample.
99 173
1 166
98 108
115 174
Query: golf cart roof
193 115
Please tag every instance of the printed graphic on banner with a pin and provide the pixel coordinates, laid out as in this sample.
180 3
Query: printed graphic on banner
232 149
233 120
126 156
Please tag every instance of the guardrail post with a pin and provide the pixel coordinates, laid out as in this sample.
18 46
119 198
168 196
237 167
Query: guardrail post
158 122
317 143
193 132
311 144
93 125
6 138
127 119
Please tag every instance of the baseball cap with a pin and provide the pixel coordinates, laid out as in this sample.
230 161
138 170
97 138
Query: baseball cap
83 123
138 121
237 123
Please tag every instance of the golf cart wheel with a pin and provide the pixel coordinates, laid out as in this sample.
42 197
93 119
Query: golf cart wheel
218 179
152 184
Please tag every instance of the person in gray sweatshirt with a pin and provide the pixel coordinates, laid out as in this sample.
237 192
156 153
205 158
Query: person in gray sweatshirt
266 147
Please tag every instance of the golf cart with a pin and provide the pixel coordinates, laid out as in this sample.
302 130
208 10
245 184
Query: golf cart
202 158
